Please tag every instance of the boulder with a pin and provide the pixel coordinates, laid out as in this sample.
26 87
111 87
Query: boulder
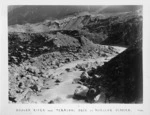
96 99
32 69
104 55
51 102
45 75
35 88
94 94
35 78
61 64
84 76
91 94
81 92
68 69
88 65
31 60
81 67
56 100
96 76
67 60
22 75
55 67
52 77
58 80
28 76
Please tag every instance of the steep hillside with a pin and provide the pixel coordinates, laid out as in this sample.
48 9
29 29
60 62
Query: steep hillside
23 46
121 78
122 29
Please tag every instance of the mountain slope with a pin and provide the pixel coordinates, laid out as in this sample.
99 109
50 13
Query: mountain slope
34 14
119 29
23 46
122 76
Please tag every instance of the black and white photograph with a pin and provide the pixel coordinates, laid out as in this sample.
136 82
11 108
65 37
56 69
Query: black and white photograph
75 54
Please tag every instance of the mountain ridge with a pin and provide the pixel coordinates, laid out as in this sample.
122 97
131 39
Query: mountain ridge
18 14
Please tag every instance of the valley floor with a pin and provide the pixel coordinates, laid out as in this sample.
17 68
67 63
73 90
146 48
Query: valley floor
63 91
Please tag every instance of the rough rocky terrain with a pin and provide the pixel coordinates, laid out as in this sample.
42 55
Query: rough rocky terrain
83 58
40 61
120 79
32 85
